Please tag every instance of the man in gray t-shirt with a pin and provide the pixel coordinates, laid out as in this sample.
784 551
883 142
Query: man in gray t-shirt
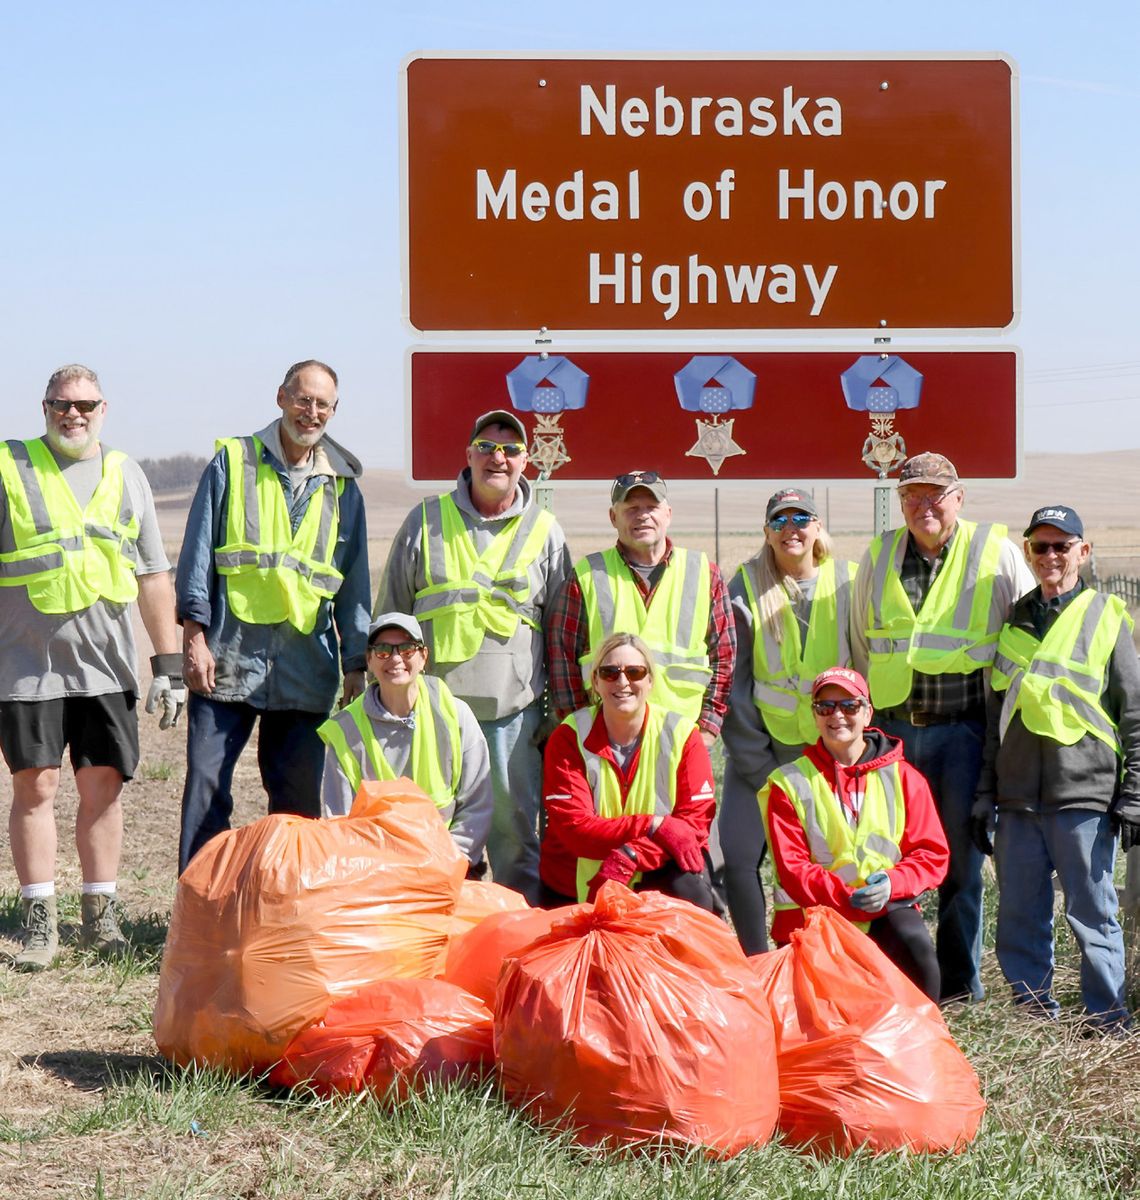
79 542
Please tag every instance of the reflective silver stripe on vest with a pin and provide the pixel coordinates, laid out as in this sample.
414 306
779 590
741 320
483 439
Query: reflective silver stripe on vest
843 589
1005 666
879 581
1082 647
1089 713
604 592
249 490
888 645
769 695
817 843
1052 670
689 591
686 615
282 559
50 561
37 505
972 574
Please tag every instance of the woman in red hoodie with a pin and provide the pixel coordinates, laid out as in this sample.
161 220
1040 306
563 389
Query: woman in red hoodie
853 826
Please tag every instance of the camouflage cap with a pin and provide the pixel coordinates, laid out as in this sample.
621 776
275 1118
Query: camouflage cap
928 467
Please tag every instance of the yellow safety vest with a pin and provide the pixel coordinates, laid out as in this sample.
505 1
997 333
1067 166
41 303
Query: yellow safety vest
852 854
67 557
1056 684
674 626
653 788
436 761
955 631
782 672
469 595
272 572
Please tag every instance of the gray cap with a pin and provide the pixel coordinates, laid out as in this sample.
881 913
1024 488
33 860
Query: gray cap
650 480
396 620
498 416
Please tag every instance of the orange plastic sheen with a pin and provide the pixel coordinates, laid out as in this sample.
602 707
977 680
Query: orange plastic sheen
637 1019
390 1038
865 1057
475 959
273 921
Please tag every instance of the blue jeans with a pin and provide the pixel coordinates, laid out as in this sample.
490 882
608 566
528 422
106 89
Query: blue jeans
516 781
289 754
950 756
1080 847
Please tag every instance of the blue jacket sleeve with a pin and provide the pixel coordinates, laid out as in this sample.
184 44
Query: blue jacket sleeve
194 579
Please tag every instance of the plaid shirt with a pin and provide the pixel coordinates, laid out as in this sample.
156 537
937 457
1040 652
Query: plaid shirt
944 695
568 640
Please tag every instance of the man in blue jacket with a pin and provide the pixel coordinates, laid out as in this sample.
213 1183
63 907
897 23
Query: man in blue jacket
273 595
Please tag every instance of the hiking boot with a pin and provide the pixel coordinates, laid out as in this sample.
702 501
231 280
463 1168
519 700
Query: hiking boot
100 929
41 935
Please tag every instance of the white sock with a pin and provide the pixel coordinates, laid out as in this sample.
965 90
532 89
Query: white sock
99 889
37 891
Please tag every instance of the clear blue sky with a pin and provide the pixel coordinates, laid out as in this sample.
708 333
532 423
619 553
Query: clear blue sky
197 195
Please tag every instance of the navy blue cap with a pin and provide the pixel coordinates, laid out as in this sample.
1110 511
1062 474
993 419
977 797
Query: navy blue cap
1060 516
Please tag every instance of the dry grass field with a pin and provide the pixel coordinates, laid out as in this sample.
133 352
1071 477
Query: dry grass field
87 1110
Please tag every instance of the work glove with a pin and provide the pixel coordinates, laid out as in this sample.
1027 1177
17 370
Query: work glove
981 824
167 688
619 865
1125 819
874 894
681 840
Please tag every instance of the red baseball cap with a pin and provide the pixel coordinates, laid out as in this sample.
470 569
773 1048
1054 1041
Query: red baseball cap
842 677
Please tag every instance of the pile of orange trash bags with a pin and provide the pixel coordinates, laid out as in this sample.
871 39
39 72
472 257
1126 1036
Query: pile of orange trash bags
352 955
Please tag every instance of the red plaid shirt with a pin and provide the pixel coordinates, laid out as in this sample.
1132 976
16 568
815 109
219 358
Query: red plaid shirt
568 639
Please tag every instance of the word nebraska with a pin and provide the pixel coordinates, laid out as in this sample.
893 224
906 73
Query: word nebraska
699 283
696 114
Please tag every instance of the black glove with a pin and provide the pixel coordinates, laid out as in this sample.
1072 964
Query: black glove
1125 821
981 825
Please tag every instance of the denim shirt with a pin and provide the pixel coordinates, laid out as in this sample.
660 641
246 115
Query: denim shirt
275 666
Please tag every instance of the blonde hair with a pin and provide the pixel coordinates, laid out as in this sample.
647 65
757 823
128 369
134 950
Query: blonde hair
610 645
775 592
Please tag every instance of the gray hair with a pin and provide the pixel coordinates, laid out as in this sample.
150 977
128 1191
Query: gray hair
70 374
298 367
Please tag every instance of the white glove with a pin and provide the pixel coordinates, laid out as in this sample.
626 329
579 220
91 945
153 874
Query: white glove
874 894
166 689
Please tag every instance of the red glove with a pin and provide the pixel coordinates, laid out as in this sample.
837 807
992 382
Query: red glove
617 865
681 840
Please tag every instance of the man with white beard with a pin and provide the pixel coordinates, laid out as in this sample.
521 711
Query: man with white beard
79 543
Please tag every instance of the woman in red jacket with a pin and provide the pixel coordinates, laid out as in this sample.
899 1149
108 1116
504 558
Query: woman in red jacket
852 825
627 788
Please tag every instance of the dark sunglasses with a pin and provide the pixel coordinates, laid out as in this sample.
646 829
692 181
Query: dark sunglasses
612 673
826 707
510 449
65 406
387 649
1040 548
799 520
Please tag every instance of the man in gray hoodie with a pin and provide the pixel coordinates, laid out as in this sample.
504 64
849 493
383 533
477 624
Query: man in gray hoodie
272 590
478 567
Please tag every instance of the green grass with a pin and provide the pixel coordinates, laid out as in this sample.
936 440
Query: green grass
158 772
1063 1120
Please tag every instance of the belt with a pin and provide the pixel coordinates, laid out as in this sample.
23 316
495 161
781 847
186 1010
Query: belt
920 720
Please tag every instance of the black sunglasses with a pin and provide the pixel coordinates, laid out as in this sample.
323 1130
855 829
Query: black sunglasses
1040 548
826 707
65 406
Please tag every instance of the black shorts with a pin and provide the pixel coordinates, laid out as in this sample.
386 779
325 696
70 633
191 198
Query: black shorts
100 731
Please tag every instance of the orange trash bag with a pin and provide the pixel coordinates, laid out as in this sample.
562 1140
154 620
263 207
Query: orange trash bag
394 1034
273 921
475 959
865 1057
637 1019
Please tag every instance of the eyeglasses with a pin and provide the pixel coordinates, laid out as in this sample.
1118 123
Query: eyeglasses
611 674
510 449
826 707
65 406
321 407
1040 548
919 500
800 520
387 649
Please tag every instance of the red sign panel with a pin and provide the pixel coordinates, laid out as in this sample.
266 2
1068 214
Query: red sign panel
732 193
734 415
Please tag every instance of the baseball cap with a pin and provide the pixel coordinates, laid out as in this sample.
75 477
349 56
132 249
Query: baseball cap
790 498
841 677
1059 515
497 416
396 620
928 467
650 480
